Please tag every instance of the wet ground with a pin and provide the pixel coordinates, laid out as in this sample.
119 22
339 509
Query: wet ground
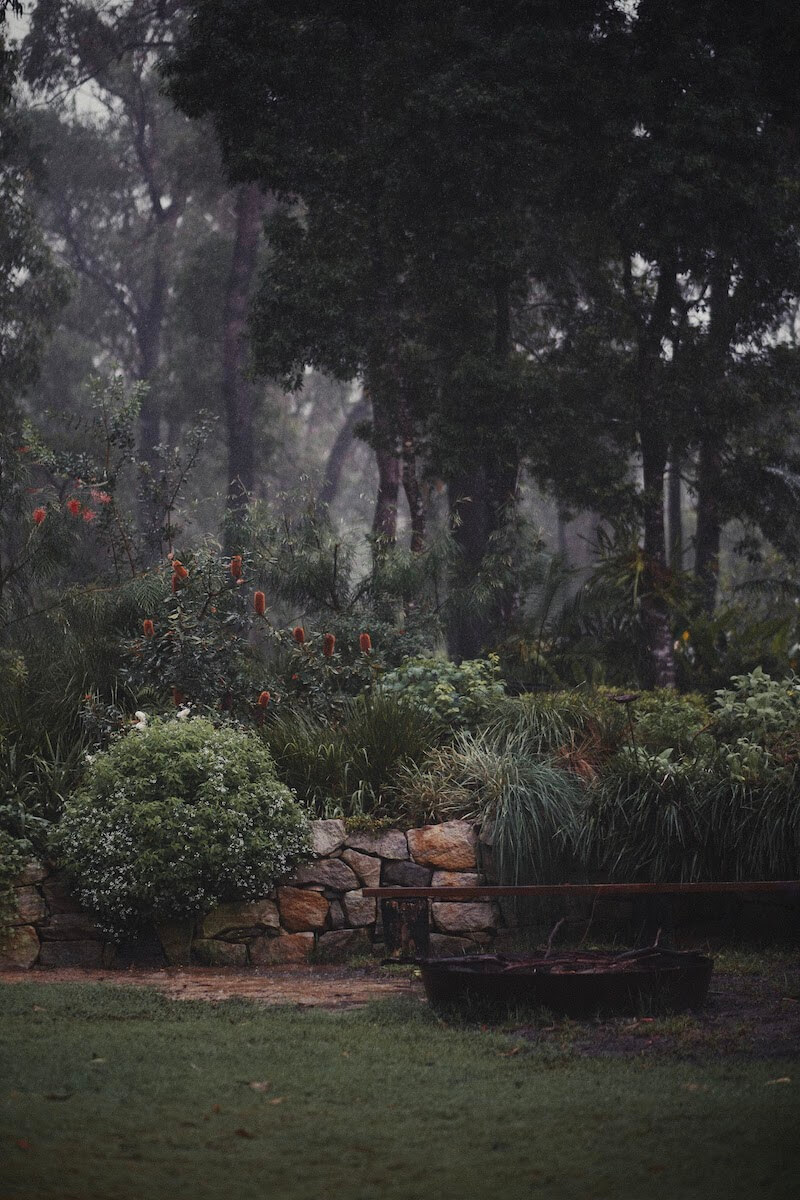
753 1006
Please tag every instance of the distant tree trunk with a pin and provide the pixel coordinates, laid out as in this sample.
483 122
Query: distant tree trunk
240 398
652 435
709 523
339 450
411 484
386 439
675 514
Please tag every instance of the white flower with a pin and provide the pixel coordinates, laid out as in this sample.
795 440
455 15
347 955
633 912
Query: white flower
183 713
141 719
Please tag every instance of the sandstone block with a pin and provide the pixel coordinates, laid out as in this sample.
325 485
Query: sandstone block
209 952
405 874
71 954
343 943
29 906
32 872
70 927
19 946
301 909
236 922
367 868
176 941
449 847
444 945
58 895
463 918
359 909
388 843
286 948
327 837
337 918
327 872
456 879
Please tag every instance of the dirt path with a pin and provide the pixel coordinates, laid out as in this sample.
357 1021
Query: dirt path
307 987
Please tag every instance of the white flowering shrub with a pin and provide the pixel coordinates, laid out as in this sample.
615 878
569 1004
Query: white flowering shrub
175 818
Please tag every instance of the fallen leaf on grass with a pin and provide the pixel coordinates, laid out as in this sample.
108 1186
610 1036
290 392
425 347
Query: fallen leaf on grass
510 1053
277 1100
783 1079
38 1008
262 1086
696 1087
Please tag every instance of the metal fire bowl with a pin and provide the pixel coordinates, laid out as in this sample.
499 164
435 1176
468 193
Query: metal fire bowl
577 984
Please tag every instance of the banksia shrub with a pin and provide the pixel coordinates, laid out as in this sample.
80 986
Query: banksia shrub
365 642
328 645
148 627
263 700
260 603
299 634
236 566
179 569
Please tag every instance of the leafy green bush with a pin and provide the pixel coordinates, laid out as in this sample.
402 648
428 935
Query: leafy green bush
664 719
756 705
458 695
526 808
349 767
176 818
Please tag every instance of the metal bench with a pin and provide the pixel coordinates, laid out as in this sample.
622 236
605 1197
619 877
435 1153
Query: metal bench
405 910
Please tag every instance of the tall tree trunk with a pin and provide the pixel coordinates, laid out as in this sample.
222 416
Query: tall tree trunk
709 523
411 484
239 397
387 454
675 514
337 455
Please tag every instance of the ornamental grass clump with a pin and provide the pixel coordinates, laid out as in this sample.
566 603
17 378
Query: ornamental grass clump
176 818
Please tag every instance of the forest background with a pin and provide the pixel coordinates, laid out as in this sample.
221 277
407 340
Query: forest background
476 328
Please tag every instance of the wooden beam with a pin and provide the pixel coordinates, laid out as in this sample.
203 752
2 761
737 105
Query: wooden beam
447 894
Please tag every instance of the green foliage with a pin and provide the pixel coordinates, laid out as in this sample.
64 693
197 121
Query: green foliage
757 705
457 695
664 719
175 818
350 767
527 809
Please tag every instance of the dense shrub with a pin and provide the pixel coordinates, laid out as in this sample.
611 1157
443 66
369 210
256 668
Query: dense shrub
756 706
176 818
349 767
526 808
458 695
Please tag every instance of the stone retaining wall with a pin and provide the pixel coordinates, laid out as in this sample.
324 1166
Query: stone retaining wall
319 909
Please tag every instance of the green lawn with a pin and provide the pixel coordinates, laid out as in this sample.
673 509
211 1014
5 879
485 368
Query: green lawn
109 1093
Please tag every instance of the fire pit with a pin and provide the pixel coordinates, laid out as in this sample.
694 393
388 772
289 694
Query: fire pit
571 983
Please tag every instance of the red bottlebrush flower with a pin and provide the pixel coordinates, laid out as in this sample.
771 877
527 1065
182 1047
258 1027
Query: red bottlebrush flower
148 627
236 566
328 645
100 497
177 696
74 506
39 515
260 603
263 700
365 643
299 634
295 678
179 569
89 514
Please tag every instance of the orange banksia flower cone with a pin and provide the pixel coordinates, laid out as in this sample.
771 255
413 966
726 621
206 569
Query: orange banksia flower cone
148 627
260 603
328 645
177 696
236 566
263 700
365 642
299 634
179 569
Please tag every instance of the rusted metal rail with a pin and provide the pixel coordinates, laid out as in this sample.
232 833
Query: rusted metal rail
488 892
